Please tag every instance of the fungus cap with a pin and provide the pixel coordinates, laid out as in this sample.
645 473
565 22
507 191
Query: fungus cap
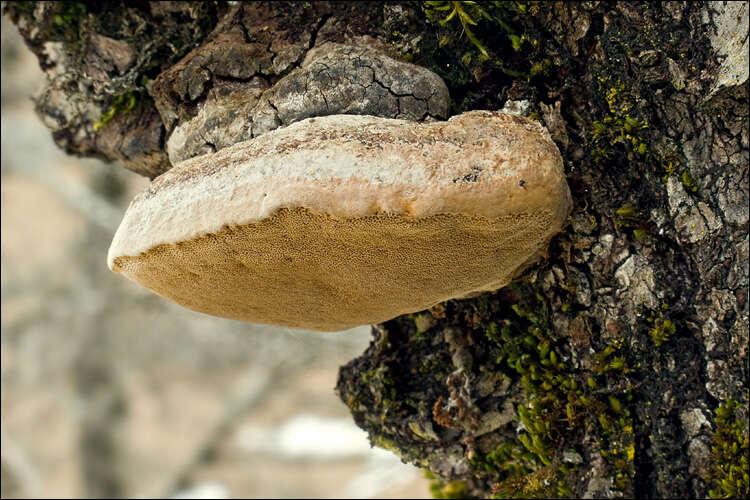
344 220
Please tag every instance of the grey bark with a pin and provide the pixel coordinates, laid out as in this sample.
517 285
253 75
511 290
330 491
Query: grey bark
645 293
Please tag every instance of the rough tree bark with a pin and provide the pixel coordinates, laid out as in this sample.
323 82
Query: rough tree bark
618 366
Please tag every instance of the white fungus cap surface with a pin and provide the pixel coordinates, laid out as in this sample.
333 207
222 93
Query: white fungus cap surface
343 220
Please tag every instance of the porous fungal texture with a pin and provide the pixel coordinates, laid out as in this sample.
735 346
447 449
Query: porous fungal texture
344 220
333 79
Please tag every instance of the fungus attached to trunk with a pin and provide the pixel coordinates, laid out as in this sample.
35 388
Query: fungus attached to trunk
345 220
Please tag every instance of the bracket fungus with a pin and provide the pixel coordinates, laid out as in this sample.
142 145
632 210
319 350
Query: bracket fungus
344 220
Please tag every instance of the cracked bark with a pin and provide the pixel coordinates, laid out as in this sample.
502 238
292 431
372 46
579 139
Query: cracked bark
658 235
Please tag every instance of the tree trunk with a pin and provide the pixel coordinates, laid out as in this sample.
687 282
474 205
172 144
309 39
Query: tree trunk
618 366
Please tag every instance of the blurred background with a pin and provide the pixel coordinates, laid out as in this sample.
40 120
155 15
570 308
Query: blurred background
110 391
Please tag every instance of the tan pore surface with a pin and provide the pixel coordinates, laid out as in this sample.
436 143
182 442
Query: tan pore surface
345 220
309 270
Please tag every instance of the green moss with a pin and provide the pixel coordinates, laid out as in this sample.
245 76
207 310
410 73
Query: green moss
688 182
556 404
615 423
386 444
662 328
121 104
442 489
547 482
540 67
629 217
493 332
446 13
669 169
66 24
465 13
69 13
480 41
627 212
728 472
530 464
61 21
